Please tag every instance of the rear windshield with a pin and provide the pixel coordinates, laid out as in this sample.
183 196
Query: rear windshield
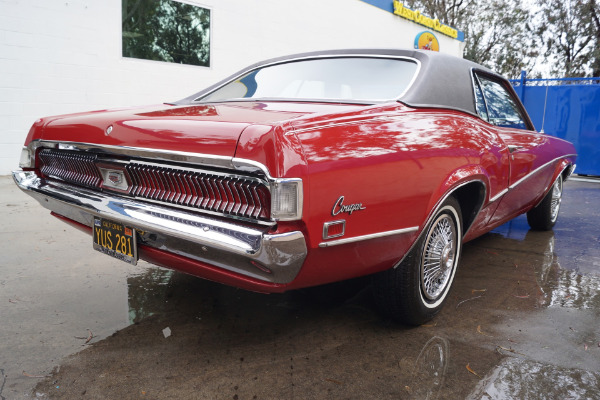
347 79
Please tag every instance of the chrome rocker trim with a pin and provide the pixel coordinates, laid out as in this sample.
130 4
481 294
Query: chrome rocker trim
248 251
530 174
368 237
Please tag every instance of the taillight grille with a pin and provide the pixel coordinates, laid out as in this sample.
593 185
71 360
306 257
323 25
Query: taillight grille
220 193
71 167
237 196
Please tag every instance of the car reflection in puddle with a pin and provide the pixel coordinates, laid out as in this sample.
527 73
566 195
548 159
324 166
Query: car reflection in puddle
558 266
430 369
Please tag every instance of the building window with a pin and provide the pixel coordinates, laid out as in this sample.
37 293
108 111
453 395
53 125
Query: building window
166 30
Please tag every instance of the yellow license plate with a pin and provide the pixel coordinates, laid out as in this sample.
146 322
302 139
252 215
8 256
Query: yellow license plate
115 239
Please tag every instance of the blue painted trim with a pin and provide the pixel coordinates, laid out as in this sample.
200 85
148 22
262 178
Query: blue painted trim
388 5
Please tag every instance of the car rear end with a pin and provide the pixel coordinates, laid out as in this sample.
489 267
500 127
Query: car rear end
168 189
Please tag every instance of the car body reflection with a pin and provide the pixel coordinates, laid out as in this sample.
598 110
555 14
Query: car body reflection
430 369
561 284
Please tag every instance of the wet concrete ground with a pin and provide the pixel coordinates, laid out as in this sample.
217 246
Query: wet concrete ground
521 322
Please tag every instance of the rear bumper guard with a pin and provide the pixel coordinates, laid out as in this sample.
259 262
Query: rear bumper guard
275 258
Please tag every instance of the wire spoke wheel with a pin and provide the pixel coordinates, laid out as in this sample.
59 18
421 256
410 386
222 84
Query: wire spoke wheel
544 215
556 199
438 257
416 289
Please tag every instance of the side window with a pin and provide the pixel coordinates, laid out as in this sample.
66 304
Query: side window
480 102
502 110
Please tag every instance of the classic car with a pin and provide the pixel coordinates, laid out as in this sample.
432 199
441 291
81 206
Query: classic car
306 170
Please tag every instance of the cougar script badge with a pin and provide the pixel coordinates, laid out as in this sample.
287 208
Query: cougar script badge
339 207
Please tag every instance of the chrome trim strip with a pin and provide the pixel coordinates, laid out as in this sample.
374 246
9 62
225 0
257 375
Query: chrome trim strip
244 165
368 237
549 188
318 57
485 194
159 155
503 192
476 83
490 75
500 194
226 245
437 206
162 155
538 169
571 171
443 199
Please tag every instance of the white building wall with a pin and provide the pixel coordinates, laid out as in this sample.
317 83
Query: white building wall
62 56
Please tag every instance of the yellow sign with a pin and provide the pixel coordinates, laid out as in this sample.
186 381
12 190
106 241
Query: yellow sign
421 19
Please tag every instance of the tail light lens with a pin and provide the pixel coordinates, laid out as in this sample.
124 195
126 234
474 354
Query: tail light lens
286 199
27 159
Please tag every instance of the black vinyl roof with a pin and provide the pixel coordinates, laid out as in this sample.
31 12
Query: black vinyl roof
443 81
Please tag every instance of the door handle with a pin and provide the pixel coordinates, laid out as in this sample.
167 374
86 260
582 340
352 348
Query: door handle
513 148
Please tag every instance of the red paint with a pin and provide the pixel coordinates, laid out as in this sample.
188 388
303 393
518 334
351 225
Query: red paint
397 162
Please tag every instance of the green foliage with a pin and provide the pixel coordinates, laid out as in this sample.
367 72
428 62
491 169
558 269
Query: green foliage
559 38
571 34
166 30
499 34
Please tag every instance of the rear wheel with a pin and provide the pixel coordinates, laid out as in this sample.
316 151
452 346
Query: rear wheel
415 291
544 216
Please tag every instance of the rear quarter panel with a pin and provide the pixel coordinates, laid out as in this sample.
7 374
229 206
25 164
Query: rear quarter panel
398 163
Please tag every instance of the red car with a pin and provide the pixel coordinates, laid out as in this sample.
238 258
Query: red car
305 170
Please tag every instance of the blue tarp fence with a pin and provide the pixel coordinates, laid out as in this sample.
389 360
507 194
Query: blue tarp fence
568 108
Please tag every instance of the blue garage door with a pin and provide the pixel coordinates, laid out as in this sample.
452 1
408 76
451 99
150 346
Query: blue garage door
568 108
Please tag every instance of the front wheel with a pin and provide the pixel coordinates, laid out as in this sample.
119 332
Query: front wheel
415 291
544 216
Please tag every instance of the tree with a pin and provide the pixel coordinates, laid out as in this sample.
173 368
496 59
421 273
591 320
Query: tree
166 30
450 12
498 34
571 33
594 11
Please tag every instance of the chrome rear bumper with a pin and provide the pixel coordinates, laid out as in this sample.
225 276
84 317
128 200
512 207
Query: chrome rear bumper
247 251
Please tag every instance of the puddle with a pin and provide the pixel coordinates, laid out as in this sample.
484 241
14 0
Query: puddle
534 294
147 293
515 378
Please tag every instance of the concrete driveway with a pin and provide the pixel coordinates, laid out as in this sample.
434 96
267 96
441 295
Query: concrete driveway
521 322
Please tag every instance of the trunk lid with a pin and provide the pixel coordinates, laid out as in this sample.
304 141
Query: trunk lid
206 129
